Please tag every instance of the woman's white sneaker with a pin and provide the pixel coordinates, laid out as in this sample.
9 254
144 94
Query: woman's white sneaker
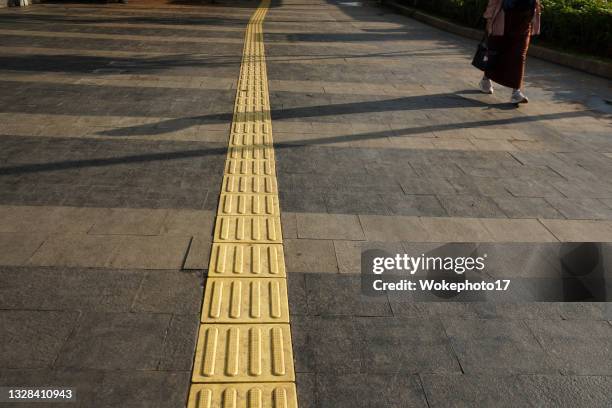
518 97
486 86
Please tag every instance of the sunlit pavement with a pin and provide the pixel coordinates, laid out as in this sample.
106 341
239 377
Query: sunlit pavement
114 124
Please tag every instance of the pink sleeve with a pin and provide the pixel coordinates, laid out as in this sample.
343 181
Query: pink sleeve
535 24
492 8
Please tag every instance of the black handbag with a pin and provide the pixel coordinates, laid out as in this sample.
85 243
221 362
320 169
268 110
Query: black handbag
485 58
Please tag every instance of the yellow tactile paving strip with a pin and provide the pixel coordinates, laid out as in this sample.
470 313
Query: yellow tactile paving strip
248 229
244 355
273 395
247 261
245 300
250 167
249 204
249 184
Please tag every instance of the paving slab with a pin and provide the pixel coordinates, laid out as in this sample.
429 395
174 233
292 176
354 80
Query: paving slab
84 289
566 390
524 311
49 219
122 221
310 255
578 347
469 390
18 248
150 252
498 346
34 339
454 229
372 390
471 206
586 310
78 250
306 389
419 346
517 230
329 226
177 354
80 288
289 224
582 208
115 341
296 288
393 228
355 203
348 253
335 295
413 205
527 207
337 352
141 389
580 231
302 201
154 295
198 255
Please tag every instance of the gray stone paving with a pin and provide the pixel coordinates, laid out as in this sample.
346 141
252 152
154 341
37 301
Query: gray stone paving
478 146
380 131
112 145
456 354
132 174
115 335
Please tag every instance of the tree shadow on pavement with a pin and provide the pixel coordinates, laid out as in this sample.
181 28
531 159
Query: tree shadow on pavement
408 103
89 64
184 19
194 153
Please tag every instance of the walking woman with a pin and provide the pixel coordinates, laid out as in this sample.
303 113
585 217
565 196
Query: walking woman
510 25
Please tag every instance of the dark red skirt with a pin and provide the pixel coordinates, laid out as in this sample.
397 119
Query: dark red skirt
512 48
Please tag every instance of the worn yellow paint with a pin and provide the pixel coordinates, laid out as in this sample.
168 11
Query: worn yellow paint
244 355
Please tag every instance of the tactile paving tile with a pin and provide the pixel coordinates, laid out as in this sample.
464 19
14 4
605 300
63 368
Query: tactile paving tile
251 152
253 116
243 300
247 260
259 136
249 184
263 229
265 395
250 167
243 353
250 112
248 204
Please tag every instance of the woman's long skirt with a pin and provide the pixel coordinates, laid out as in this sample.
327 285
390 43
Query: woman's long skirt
512 48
